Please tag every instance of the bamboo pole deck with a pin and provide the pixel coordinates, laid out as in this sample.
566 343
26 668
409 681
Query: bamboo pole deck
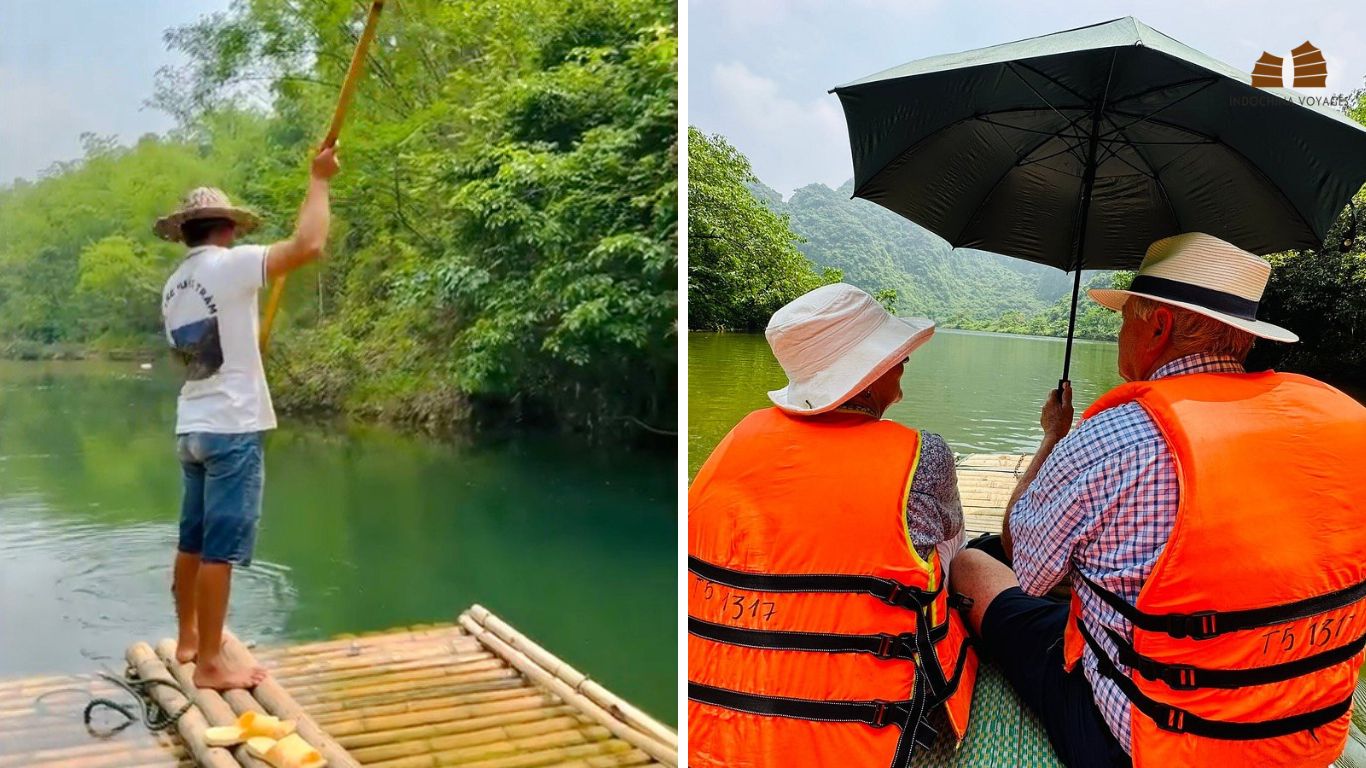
473 693
985 482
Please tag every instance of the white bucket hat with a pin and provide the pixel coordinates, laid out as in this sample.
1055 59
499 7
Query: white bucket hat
833 342
1206 275
204 203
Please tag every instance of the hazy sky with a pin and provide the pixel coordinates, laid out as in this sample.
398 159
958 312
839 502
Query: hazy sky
69 67
759 69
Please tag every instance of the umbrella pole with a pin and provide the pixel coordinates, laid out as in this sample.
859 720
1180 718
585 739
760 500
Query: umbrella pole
1071 327
1088 183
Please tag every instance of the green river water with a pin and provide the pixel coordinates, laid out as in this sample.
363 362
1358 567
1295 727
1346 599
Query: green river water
981 391
362 529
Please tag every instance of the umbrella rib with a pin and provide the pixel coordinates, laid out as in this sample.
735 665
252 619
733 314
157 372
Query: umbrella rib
1256 169
1022 162
1161 185
1181 84
1164 107
1050 79
991 191
1110 152
1010 65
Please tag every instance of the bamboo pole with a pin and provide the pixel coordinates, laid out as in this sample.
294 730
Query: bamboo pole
349 727
278 701
483 699
348 89
421 733
90 755
192 724
657 749
211 703
619 707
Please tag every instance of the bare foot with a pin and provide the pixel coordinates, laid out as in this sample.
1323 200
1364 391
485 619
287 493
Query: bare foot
187 648
220 677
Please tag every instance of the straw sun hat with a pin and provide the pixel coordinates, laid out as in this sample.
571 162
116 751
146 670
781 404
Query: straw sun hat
835 341
204 203
1206 275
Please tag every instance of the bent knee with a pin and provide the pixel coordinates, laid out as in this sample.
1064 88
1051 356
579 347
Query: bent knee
981 578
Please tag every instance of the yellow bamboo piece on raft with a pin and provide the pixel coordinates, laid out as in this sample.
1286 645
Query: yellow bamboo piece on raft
279 703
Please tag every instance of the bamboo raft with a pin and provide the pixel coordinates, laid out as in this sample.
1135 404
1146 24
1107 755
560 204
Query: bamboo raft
985 482
474 693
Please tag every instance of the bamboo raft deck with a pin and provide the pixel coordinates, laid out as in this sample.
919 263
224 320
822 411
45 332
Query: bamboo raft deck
985 482
474 693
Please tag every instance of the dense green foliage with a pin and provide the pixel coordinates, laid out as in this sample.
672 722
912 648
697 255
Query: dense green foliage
746 249
743 262
1321 296
504 235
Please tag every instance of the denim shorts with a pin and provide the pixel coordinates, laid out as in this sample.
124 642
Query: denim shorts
1022 634
224 479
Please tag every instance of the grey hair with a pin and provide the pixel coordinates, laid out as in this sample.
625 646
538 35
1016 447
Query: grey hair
1193 332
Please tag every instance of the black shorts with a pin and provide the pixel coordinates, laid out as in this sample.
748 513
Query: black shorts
1022 635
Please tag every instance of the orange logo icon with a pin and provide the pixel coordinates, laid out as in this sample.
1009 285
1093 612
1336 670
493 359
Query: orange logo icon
1311 70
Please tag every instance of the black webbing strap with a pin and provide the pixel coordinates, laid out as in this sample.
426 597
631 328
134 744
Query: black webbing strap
876 714
1178 720
883 645
1182 677
887 590
907 715
1206 624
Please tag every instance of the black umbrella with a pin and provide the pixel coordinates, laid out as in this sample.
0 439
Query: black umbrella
1080 148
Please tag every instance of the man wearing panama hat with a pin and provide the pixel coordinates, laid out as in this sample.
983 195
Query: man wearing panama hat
1210 522
210 311
819 535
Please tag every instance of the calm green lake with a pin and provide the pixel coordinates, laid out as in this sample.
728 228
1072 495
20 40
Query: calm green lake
981 391
363 529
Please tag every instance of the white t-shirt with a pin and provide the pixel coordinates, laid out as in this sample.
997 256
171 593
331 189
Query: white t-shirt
210 311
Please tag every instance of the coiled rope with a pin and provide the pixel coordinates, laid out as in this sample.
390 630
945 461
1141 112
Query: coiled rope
149 712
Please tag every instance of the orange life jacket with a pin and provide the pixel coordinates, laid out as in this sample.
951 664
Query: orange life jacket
813 623
1248 633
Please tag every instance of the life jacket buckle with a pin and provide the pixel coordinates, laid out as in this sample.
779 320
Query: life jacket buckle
880 718
1171 719
1180 677
1198 626
888 642
891 598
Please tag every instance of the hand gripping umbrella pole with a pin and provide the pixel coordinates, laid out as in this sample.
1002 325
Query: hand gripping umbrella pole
348 89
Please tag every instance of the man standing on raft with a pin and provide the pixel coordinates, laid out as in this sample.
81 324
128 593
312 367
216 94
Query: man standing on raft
1210 520
210 312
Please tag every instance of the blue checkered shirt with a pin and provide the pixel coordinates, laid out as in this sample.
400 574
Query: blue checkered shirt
1104 502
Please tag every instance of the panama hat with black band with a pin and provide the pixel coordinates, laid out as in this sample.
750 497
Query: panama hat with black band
1205 275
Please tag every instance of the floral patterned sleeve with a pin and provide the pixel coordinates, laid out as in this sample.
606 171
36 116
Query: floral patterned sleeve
934 512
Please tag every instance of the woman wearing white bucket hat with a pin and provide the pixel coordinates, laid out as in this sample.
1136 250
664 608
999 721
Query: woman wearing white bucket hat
818 526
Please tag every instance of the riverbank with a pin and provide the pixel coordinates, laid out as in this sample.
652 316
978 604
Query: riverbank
420 399
363 528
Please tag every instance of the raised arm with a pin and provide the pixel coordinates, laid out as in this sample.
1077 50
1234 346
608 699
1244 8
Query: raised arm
310 232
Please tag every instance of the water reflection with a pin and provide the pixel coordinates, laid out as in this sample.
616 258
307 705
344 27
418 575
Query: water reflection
981 391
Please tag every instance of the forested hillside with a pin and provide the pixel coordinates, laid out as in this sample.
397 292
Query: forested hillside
875 247
504 236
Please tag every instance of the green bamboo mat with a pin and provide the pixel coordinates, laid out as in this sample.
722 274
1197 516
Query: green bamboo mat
1002 732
